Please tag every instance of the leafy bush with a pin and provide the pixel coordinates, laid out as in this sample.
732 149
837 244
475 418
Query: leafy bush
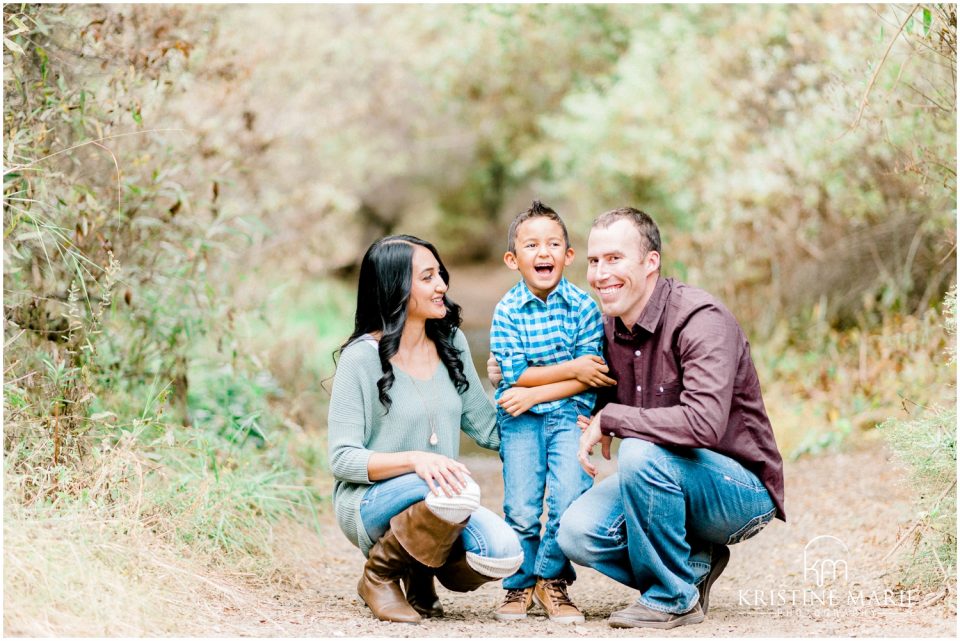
927 445
126 398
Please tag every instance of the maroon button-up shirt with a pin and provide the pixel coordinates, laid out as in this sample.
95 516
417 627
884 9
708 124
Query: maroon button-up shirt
685 378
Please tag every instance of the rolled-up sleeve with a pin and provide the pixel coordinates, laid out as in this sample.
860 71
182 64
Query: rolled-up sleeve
589 330
506 347
346 421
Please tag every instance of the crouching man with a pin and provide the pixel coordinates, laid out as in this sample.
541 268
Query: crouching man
698 467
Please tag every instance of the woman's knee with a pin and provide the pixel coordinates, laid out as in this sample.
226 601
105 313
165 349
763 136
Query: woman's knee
489 535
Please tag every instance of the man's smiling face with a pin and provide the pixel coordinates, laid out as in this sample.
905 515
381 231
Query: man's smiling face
619 270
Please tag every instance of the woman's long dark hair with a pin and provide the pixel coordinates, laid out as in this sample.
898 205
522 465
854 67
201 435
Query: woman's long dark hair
386 273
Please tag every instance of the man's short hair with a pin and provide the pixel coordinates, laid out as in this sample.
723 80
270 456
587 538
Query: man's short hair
649 232
536 210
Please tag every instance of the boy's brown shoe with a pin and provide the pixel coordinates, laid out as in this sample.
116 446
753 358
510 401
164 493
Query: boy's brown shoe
551 595
515 605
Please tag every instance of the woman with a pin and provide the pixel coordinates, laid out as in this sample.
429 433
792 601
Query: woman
405 386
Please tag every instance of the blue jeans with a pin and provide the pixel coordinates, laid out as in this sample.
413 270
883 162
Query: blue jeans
539 452
486 534
651 525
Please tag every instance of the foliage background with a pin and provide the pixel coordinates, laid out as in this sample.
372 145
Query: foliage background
188 189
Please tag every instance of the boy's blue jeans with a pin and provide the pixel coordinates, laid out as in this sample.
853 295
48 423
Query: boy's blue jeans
486 533
651 525
539 452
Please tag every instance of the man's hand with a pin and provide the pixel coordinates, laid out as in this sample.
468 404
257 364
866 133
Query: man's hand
590 437
493 371
517 400
591 370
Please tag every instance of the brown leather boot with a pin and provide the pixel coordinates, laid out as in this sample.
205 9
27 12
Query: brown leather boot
424 535
457 575
379 585
416 536
421 594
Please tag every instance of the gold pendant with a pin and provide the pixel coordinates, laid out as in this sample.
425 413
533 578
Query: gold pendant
433 439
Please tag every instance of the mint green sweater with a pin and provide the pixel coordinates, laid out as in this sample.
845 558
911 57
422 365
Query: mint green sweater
357 425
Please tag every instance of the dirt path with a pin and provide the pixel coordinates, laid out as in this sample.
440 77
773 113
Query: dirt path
857 497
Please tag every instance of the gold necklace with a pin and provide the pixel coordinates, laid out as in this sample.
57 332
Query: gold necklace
431 419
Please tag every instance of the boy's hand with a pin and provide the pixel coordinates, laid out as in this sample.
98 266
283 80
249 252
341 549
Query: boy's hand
591 370
493 371
517 400
588 440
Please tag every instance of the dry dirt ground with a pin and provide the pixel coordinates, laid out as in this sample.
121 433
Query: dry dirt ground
858 497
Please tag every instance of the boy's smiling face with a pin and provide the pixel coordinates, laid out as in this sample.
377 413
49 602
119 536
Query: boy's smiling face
540 254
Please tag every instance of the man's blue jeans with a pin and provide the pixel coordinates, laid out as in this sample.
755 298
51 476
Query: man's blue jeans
539 452
486 534
651 525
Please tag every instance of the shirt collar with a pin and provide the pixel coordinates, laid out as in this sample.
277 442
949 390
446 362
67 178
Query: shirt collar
651 314
563 290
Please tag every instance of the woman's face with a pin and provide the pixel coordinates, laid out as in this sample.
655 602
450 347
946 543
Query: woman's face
427 287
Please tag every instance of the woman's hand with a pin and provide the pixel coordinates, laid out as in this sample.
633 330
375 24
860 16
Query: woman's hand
441 473
517 400
493 371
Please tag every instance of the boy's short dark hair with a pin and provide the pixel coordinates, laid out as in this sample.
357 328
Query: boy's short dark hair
536 210
649 232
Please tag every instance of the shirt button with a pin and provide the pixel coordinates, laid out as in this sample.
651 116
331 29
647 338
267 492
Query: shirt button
638 389
637 353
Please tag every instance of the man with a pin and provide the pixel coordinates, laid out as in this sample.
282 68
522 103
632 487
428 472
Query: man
698 467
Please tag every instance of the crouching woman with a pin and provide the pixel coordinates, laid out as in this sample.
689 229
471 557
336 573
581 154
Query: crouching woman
404 389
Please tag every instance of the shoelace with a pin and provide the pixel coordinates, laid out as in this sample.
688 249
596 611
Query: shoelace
515 596
557 588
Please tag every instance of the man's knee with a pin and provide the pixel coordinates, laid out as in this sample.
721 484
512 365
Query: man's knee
572 534
644 460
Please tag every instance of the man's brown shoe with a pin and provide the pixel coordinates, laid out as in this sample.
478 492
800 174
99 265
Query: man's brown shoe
551 595
640 616
719 557
515 605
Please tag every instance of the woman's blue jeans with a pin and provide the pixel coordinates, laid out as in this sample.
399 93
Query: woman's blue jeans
486 534
651 525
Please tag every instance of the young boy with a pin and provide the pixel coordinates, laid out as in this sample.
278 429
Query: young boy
546 337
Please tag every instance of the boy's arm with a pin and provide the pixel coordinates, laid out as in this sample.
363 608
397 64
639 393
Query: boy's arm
587 366
588 369
506 346
517 400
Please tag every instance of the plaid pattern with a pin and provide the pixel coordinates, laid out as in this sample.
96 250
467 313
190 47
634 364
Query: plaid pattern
528 332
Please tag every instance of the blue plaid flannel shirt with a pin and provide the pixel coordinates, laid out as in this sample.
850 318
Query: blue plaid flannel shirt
528 332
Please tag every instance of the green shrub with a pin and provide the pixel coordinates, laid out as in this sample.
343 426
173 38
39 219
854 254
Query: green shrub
927 446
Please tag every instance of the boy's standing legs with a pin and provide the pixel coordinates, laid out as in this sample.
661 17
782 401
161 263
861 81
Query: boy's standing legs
538 454
566 481
523 454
